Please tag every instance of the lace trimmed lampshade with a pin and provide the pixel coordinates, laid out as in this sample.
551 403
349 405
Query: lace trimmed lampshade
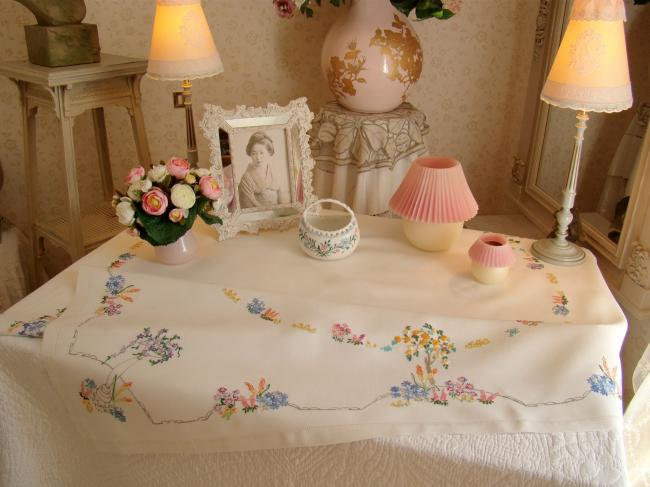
589 74
434 200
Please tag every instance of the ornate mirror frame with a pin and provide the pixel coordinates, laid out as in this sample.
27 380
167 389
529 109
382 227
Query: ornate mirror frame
524 190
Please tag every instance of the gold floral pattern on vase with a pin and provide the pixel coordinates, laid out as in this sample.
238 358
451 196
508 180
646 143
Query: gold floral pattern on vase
403 49
342 74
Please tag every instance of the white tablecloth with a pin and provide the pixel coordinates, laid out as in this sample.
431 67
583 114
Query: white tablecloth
38 442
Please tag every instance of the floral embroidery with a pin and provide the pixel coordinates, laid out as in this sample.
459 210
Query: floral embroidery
232 295
560 304
327 248
157 348
34 328
257 307
121 260
529 322
260 398
511 332
481 342
116 289
305 327
533 262
341 332
432 342
105 398
606 383
552 278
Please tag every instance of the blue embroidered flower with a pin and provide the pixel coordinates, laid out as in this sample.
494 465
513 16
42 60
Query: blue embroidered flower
118 414
256 306
34 329
602 384
115 284
126 256
512 332
408 391
560 309
89 383
274 400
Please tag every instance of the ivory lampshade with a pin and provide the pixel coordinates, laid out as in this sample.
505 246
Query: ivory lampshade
590 71
434 200
182 47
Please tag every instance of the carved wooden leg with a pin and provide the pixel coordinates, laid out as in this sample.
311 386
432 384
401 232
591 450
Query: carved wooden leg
103 154
29 148
137 122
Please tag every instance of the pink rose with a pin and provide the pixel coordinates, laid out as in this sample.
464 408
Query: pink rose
178 214
285 8
177 167
135 174
210 187
155 201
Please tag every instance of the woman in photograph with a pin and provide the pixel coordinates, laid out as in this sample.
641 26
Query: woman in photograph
258 187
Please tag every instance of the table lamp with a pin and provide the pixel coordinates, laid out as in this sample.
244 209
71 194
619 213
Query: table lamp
589 74
182 49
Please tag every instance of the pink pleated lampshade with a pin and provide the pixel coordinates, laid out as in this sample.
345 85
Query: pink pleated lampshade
492 250
434 191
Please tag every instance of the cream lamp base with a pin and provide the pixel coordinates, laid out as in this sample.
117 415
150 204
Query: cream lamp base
558 253
431 236
489 275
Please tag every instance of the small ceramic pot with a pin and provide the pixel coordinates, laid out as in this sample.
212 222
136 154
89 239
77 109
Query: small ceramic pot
492 258
328 236
179 252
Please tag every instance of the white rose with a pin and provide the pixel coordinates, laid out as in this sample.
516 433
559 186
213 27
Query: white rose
183 196
136 190
157 173
201 171
125 213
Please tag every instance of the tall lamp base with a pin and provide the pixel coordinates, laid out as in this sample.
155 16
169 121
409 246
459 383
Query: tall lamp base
550 251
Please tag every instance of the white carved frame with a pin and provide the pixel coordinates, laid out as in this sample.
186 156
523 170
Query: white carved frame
295 115
535 202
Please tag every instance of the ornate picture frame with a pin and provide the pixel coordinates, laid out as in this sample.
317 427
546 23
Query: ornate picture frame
261 158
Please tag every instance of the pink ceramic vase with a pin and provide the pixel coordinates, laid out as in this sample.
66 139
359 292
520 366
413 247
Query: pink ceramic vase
179 252
371 57
434 200
491 258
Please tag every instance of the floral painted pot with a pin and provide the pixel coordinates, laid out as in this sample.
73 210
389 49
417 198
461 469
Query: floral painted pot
179 252
371 57
328 236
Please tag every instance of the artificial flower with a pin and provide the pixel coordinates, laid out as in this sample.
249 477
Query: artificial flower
190 178
154 201
134 175
157 173
209 187
285 8
178 214
125 212
138 188
183 196
201 171
177 167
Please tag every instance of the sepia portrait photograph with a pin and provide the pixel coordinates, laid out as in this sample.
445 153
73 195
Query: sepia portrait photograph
261 167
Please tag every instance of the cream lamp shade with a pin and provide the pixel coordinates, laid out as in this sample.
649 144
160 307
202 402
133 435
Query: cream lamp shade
590 71
182 47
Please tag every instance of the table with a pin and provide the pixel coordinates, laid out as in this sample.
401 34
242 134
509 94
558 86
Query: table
34 424
361 158
69 91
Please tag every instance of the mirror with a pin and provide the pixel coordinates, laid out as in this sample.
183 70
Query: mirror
611 155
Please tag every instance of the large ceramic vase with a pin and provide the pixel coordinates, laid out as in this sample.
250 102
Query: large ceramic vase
371 57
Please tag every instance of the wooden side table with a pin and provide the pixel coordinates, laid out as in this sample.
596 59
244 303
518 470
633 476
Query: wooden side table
70 91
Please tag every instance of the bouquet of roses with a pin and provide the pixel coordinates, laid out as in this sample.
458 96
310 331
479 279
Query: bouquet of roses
160 205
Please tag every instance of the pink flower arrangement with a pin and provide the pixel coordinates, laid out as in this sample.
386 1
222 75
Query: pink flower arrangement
161 204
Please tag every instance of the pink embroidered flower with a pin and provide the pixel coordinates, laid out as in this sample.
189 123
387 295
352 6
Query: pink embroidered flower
340 331
135 174
178 214
285 8
155 201
178 167
210 187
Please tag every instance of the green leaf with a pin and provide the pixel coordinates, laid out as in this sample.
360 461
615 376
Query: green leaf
205 207
428 8
160 230
404 6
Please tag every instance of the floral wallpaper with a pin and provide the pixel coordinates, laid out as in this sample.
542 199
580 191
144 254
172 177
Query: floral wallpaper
472 89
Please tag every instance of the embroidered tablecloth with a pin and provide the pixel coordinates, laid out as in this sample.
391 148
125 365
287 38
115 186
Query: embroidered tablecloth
272 264
361 158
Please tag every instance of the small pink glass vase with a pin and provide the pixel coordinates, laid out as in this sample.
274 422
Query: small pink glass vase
492 258
434 201
179 252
